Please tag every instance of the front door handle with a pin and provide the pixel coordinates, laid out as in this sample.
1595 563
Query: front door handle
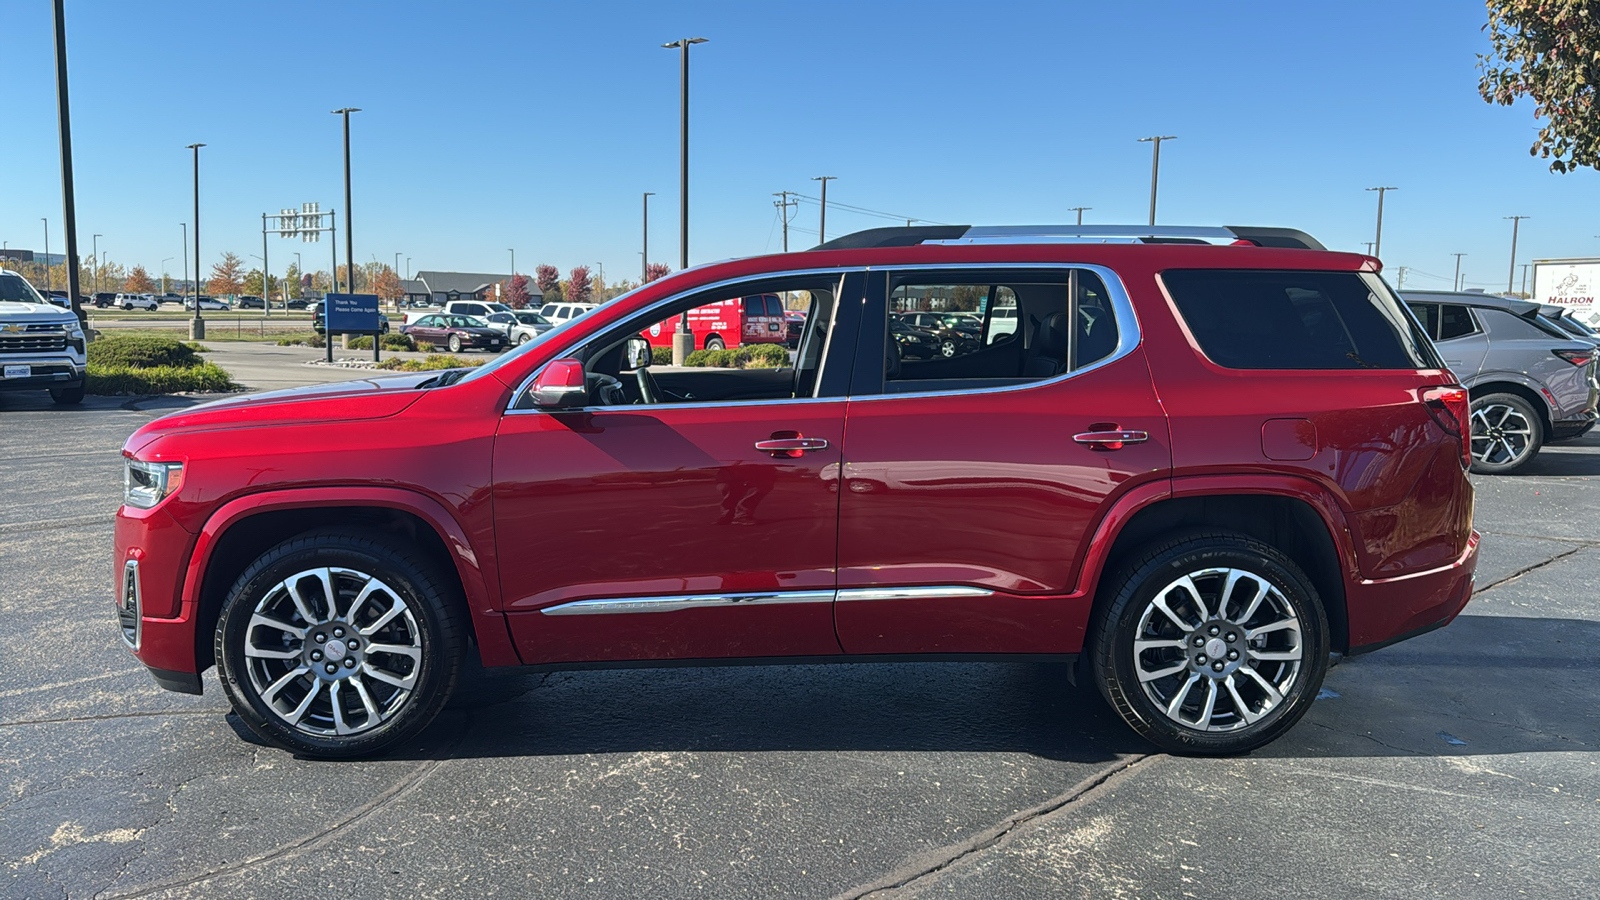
790 444
1111 439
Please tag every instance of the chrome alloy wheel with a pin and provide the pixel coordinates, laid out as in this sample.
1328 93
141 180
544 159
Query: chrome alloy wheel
1218 649
333 651
1501 434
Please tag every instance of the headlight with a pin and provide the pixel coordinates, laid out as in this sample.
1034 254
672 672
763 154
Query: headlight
144 484
74 329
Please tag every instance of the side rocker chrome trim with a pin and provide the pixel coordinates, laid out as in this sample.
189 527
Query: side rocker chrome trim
600 607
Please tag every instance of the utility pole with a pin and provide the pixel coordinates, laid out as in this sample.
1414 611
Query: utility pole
185 227
349 219
644 257
1455 285
1079 210
1155 167
49 276
1525 279
683 338
1369 247
1515 221
783 205
197 324
822 227
96 242
68 204
1377 242
266 274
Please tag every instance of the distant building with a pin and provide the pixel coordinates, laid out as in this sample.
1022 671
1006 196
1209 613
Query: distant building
52 259
442 287
415 290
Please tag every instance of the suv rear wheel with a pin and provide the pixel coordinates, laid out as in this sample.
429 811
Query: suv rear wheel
1212 643
1506 434
339 644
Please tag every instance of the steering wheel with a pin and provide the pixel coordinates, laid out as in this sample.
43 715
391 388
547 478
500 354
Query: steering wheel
604 390
649 391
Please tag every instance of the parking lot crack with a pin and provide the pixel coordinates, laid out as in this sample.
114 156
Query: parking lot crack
1399 749
930 865
1526 569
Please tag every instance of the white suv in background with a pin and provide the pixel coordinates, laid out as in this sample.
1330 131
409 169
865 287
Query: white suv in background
137 301
565 312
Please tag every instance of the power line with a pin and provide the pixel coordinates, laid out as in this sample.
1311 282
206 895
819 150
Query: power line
834 204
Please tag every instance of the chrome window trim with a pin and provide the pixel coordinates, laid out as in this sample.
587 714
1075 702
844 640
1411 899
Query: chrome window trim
847 595
611 606
668 301
1128 338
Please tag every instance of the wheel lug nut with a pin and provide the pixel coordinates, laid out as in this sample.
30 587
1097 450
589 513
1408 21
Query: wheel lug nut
1199 641
1200 659
1213 631
1217 666
316 656
321 637
331 668
338 632
1230 637
349 663
1233 654
353 645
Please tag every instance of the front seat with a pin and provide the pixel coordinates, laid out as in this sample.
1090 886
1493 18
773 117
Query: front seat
1048 356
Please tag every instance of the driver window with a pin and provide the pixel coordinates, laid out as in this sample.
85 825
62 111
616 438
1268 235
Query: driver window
744 350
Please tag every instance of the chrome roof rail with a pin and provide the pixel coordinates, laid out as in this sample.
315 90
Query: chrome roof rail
1072 234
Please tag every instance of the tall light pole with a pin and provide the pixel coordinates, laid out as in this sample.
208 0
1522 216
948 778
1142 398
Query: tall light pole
1377 239
1455 285
49 276
164 273
683 339
68 205
408 268
1079 210
1511 276
397 263
96 242
644 257
1155 166
602 268
822 223
185 245
197 325
1525 279
513 252
349 218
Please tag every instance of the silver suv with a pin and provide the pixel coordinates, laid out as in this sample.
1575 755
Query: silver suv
1530 383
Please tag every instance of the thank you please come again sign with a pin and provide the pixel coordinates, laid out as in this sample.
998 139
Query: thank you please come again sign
351 313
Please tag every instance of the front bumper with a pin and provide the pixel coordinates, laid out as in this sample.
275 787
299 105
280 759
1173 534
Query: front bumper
1389 610
150 543
46 373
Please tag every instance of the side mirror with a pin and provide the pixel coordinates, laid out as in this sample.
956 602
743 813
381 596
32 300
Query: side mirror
638 353
560 386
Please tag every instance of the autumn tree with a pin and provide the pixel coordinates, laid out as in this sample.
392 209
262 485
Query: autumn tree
387 286
579 286
517 295
291 280
253 287
138 282
1549 52
227 277
656 270
549 280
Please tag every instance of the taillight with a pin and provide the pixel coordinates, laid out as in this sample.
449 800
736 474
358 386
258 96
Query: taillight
1451 407
1579 358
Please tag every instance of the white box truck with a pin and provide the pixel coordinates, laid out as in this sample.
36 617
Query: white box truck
1571 284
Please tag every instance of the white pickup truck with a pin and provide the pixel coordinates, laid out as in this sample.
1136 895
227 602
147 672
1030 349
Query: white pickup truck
42 346
481 309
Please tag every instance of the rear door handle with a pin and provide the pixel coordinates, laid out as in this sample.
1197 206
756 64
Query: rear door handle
1111 440
792 447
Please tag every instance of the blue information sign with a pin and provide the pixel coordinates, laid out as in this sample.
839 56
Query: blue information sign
351 313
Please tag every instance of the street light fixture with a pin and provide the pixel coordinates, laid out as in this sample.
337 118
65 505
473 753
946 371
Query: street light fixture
1456 284
96 241
49 283
1515 221
164 273
682 339
822 226
349 219
1155 166
1077 209
185 245
644 257
197 325
1377 239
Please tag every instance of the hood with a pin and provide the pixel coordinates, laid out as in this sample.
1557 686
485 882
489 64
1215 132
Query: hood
17 311
344 401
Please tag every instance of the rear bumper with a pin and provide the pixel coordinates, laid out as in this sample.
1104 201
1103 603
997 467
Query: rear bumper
1389 610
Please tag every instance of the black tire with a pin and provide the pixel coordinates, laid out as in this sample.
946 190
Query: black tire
715 343
1500 443
455 343
67 396
430 619
1130 613
127 307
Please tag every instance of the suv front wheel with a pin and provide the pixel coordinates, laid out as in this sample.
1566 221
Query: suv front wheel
1506 434
1213 643
337 644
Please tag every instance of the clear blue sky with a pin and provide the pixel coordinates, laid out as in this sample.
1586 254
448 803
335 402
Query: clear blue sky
538 125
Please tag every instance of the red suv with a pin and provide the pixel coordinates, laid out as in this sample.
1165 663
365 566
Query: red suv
1200 461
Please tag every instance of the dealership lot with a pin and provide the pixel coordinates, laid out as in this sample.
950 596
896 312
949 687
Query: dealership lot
1463 762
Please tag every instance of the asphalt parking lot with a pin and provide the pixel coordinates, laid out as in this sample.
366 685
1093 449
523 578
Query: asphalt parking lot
1463 763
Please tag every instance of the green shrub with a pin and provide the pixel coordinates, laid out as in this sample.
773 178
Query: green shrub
750 356
307 339
661 356
143 353
201 377
394 340
423 347
428 363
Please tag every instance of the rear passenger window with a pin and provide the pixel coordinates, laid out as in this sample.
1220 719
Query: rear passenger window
1296 320
1455 321
962 331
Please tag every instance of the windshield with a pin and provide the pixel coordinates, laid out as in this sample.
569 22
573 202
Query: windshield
528 318
17 289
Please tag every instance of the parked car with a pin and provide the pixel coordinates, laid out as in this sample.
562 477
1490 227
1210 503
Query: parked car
42 346
248 301
912 343
520 326
1197 471
170 298
794 323
956 335
1575 327
105 300
480 309
456 332
1530 382
733 322
560 313
297 303
137 301
205 303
